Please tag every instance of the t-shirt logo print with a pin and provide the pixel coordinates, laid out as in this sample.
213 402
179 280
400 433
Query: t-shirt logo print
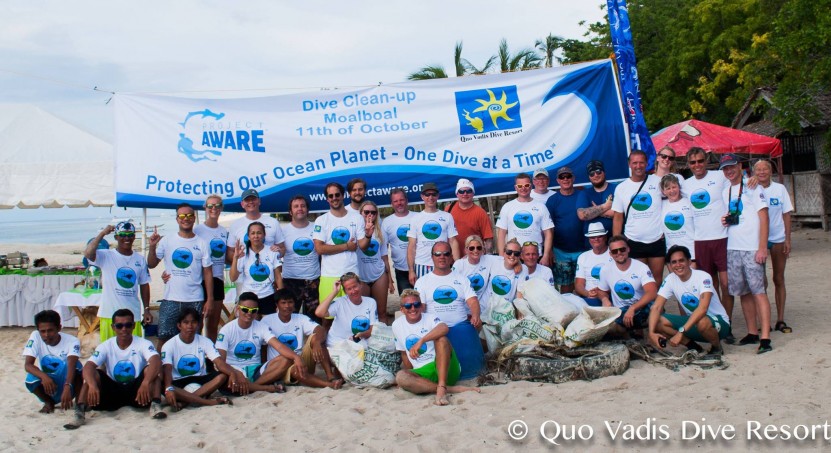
303 246
289 340
217 248
124 372
182 258
523 219
245 350
360 324
624 290
501 285
401 233
259 272
476 282
372 248
700 199
690 301
188 365
642 201
412 340
674 220
340 235
445 294
126 277
431 230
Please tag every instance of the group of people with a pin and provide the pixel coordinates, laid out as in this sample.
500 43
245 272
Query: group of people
304 286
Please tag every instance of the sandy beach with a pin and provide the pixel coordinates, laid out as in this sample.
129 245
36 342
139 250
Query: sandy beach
646 408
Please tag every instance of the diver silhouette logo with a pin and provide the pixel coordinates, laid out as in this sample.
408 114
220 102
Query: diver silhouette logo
185 145
126 277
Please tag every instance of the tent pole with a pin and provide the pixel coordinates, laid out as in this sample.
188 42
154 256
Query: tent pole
144 231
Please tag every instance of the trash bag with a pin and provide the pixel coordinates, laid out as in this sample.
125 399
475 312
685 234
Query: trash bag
590 325
364 368
546 303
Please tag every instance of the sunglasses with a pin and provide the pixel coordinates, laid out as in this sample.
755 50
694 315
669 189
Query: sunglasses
464 192
442 253
124 325
411 305
430 194
535 244
474 248
125 235
617 251
369 212
213 206
513 252
332 196
565 176
523 186
596 172
248 310
695 162
185 216
664 156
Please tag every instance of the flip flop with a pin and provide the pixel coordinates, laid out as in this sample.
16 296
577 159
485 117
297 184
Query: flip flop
782 327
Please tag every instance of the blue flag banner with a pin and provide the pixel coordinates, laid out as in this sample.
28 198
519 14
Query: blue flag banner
621 32
485 128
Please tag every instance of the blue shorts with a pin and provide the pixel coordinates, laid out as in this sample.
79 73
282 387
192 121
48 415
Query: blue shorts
564 266
641 319
33 382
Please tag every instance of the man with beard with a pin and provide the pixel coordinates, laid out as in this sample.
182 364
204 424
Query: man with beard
356 188
395 228
301 264
595 203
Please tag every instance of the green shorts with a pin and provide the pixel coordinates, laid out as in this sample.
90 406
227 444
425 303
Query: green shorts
327 284
105 327
722 326
430 373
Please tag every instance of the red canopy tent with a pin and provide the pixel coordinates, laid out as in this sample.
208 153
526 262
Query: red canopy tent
716 139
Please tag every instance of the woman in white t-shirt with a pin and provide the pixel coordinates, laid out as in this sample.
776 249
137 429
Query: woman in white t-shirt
373 265
665 164
506 274
475 265
259 268
677 216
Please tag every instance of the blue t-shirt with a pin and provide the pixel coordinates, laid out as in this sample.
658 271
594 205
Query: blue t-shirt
568 229
585 200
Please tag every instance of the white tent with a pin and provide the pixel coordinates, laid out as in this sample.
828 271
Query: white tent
47 162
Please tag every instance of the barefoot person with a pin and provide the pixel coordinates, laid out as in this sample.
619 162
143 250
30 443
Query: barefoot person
354 314
58 375
257 269
373 265
428 362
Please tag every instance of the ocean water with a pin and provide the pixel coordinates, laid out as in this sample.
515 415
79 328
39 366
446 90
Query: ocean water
57 231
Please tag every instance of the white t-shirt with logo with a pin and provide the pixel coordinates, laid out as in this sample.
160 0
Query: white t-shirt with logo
477 274
542 273
257 274
243 345
301 261
525 221
589 265
188 359
291 334
689 293
395 230
333 230
541 197
121 278
184 259
625 287
52 359
351 319
239 231
644 221
745 235
406 335
217 239
371 261
427 228
708 204
502 282
779 204
123 365
446 296
677 218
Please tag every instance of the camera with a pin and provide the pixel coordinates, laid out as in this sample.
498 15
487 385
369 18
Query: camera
732 218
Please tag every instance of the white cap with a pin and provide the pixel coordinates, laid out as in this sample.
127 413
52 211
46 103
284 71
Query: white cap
596 229
465 184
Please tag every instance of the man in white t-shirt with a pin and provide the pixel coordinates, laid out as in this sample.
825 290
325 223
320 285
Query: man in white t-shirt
428 362
250 202
704 318
125 277
58 376
747 250
337 235
428 227
123 371
216 236
395 229
301 265
530 258
589 264
187 259
627 284
526 220
637 208
356 188
541 182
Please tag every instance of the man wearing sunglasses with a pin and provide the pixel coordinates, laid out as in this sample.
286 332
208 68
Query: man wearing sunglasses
187 260
250 202
428 228
627 284
122 371
216 236
126 279
428 361
594 204
395 229
469 218
526 220
569 241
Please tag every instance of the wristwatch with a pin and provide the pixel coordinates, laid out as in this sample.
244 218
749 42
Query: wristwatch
681 330
170 389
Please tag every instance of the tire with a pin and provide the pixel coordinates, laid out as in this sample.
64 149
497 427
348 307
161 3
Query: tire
586 362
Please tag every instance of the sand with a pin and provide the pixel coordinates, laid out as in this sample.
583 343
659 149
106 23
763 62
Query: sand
785 387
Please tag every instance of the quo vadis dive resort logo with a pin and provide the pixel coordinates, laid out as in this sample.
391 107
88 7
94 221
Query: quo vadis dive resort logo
206 134
490 111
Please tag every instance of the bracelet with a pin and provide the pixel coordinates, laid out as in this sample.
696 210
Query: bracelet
170 389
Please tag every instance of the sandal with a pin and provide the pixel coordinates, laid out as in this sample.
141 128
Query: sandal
782 327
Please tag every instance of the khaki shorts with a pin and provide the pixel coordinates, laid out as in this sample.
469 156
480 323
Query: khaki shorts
306 357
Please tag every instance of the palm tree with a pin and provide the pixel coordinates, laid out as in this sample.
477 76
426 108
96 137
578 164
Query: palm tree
429 72
522 60
462 65
548 46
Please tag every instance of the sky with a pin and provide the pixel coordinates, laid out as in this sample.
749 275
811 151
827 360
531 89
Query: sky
53 53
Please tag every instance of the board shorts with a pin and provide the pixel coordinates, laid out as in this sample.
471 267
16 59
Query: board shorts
721 326
430 372
402 280
744 274
219 290
327 284
564 266
711 256
59 377
169 311
640 250
640 320
306 295
251 372
105 328
305 356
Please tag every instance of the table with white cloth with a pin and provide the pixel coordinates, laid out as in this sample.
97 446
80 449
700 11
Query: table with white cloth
70 303
23 296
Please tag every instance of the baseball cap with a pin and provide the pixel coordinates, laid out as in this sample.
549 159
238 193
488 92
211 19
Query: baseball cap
594 165
596 229
250 193
727 160
464 184
563 171
540 171
429 186
124 227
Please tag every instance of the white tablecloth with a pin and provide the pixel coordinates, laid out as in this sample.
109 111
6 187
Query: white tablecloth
22 296
68 299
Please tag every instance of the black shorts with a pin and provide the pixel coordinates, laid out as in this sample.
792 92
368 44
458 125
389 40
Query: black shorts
219 290
657 249
402 280
115 395
201 380
267 304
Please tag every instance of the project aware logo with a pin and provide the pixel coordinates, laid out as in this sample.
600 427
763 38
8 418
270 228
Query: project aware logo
215 135
488 110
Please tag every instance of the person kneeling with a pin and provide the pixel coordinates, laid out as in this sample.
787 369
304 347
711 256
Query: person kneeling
428 362
183 364
123 371
239 343
706 319
59 374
